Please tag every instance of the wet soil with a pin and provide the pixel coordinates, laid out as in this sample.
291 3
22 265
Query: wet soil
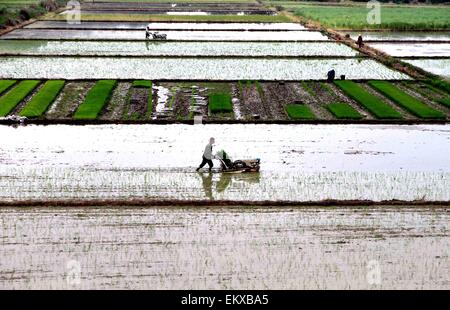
321 97
118 103
253 101
251 104
277 96
182 100
67 102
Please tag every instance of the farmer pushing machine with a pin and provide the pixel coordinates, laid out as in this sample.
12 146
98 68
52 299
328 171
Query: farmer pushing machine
227 165
155 35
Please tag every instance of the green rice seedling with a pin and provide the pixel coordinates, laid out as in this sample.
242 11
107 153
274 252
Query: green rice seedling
298 111
445 101
43 99
5 84
142 83
373 104
406 101
95 100
220 103
12 98
343 111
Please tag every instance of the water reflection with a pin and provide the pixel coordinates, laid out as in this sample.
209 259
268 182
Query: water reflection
225 180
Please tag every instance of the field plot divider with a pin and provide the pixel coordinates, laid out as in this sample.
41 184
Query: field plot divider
184 56
168 40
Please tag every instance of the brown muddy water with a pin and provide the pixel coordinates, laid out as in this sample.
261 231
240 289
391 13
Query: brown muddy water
224 248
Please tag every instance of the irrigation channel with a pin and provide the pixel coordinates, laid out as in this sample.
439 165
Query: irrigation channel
300 163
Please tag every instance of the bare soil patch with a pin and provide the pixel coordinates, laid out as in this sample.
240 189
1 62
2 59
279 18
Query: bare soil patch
138 103
403 113
68 100
119 100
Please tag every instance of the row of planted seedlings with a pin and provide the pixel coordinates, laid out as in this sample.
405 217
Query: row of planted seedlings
342 99
243 100
113 100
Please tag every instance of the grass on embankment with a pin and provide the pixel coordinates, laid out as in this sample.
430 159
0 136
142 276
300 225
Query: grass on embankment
298 111
95 100
13 12
393 17
220 103
5 84
12 98
146 84
373 104
343 111
43 99
174 18
406 101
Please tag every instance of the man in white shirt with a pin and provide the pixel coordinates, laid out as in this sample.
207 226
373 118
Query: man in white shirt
207 155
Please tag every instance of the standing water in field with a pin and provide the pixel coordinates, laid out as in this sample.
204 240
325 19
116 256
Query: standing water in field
298 163
191 68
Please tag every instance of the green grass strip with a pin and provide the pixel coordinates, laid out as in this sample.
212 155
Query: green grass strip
5 84
220 103
174 18
298 111
43 99
367 100
142 84
95 100
343 111
11 99
406 101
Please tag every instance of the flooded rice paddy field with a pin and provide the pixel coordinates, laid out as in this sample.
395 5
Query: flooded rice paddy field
155 162
174 248
414 49
414 44
167 26
178 35
104 48
436 66
402 36
192 68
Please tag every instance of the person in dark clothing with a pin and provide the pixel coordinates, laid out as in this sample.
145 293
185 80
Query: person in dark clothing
207 156
360 41
331 75
147 32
